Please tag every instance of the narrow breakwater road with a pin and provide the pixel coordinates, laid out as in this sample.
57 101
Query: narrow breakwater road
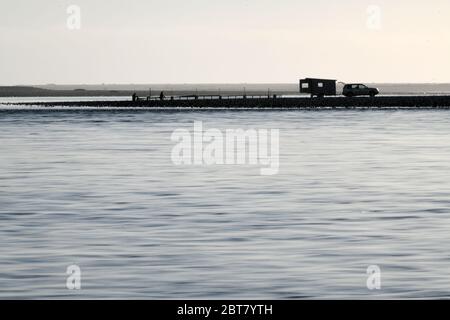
381 102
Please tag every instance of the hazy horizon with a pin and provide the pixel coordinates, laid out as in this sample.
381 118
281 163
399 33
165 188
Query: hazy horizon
43 85
238 41
205 89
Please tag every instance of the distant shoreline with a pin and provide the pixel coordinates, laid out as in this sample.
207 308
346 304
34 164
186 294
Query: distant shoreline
145 90
38 92
200 89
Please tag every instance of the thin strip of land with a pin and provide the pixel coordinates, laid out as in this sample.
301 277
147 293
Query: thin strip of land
269 102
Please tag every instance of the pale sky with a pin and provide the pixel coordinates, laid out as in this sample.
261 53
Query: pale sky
227 41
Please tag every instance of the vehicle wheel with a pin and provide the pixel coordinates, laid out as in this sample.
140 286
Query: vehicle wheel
349 95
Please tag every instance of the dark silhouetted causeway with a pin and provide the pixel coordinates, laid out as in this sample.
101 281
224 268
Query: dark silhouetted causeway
380 102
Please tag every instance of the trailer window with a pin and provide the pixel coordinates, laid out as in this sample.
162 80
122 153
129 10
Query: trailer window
320 84
305 85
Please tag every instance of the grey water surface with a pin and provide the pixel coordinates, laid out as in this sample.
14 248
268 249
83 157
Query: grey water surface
98 189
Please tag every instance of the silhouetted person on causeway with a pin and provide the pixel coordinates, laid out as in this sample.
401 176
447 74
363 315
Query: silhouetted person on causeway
162 96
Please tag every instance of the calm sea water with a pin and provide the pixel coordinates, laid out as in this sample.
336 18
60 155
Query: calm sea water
98 189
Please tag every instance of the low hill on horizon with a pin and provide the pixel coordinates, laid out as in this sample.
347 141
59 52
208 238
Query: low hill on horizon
143 90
